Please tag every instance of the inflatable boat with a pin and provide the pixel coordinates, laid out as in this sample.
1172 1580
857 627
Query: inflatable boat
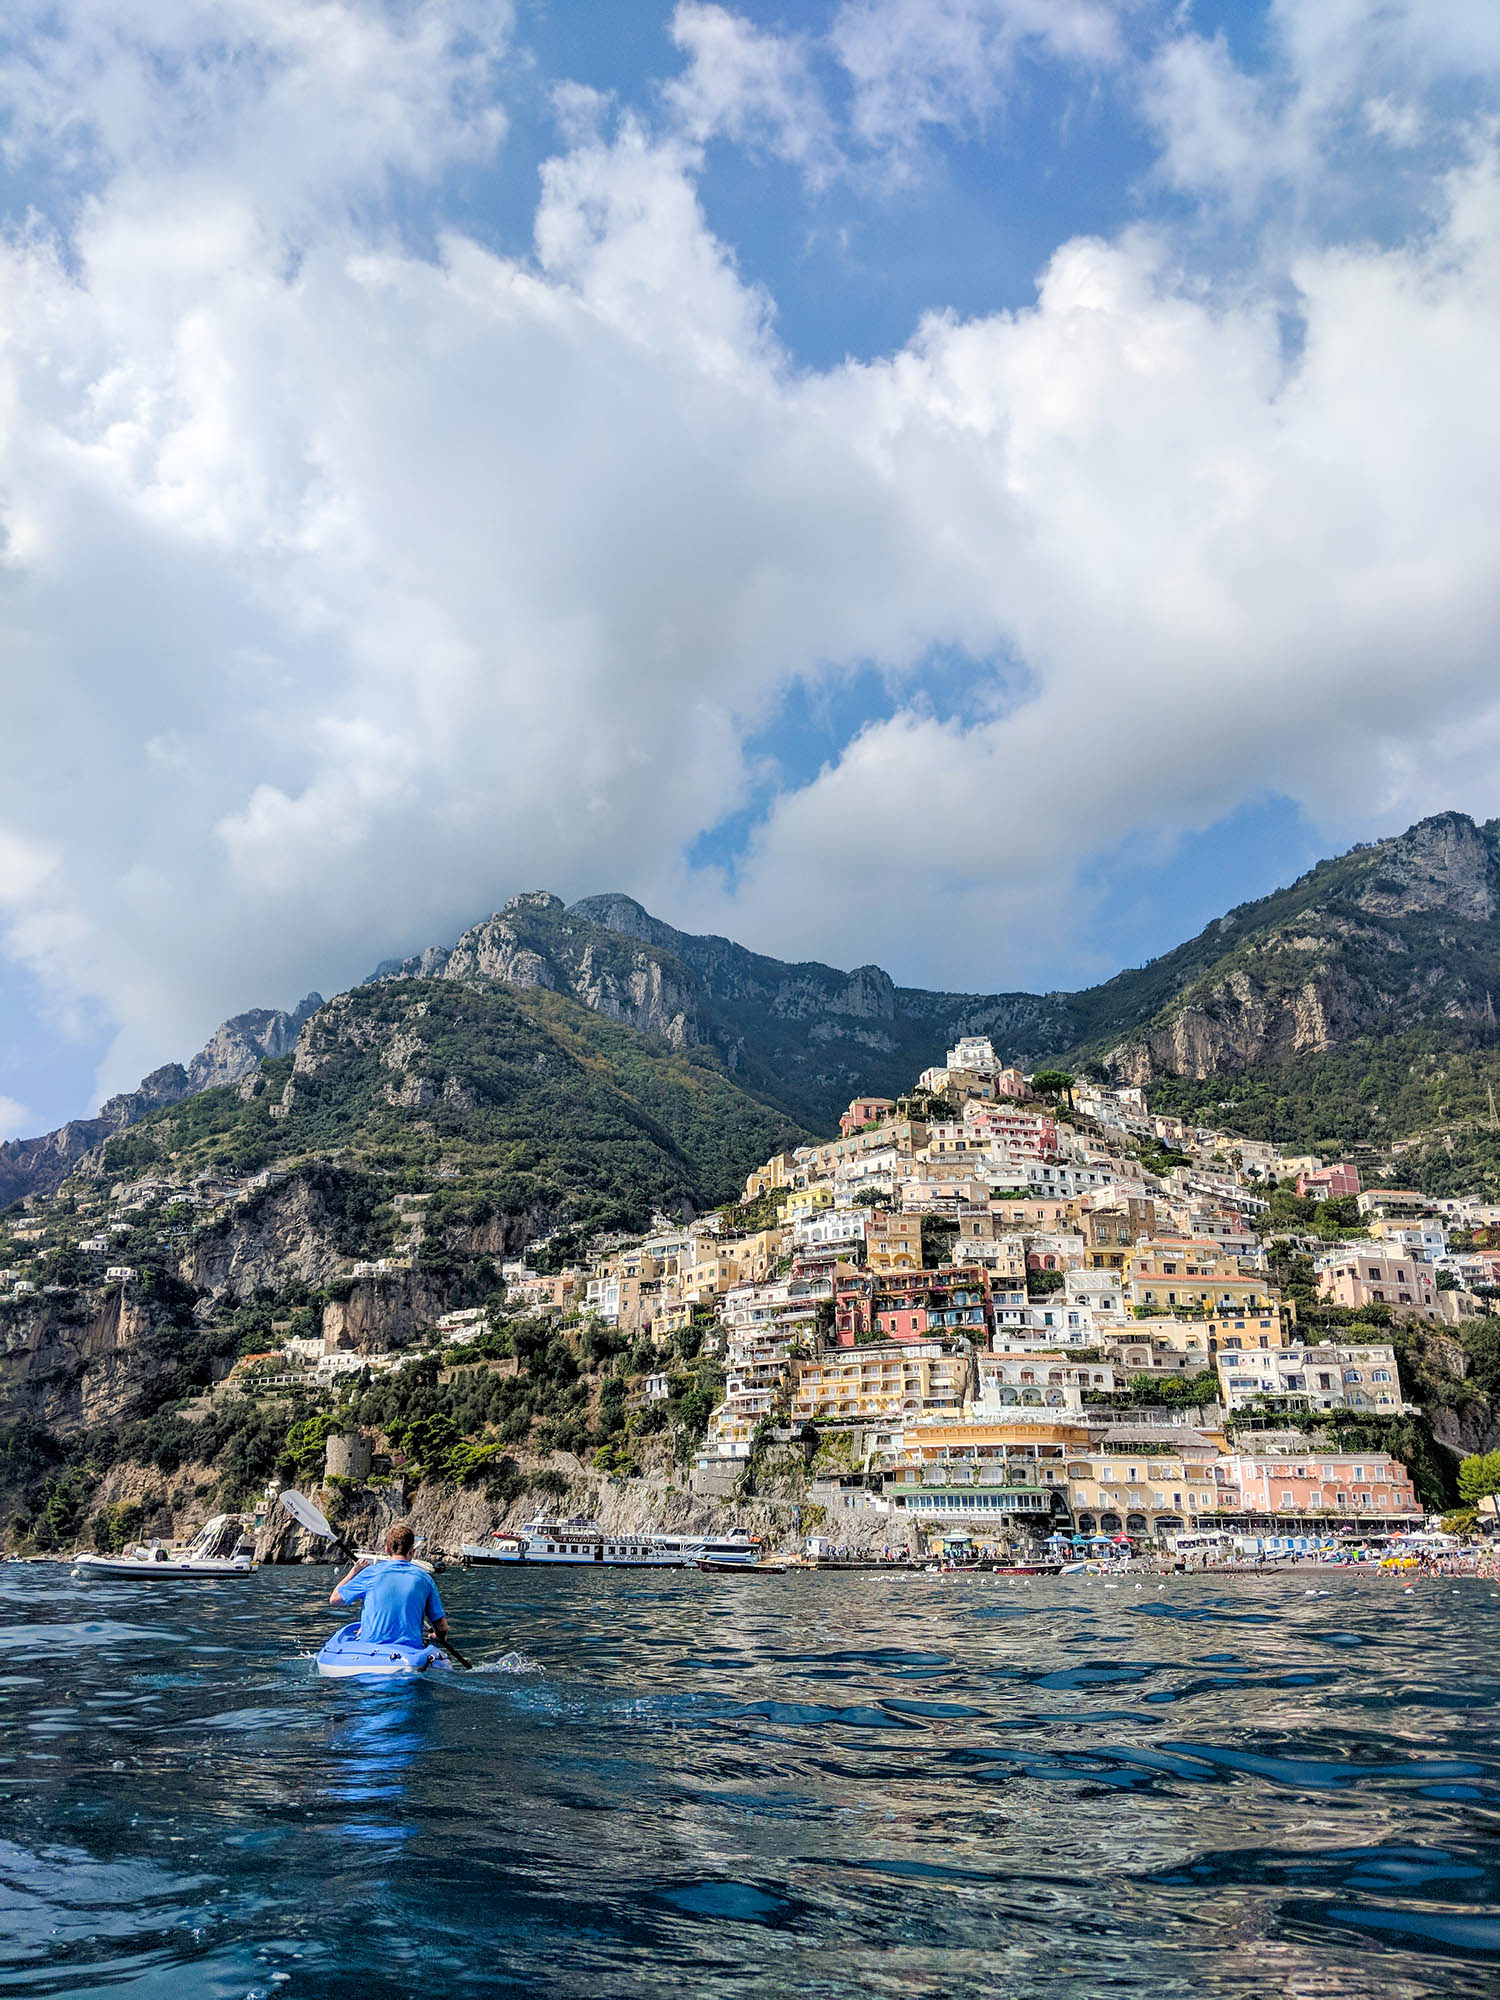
223 1546
346 1654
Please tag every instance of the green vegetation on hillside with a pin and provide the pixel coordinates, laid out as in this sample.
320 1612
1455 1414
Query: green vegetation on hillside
1360 1098
550 1108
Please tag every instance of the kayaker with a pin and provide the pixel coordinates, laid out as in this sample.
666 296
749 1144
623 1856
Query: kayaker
394 1596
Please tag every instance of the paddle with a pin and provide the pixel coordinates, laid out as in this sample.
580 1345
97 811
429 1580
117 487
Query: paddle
306 1515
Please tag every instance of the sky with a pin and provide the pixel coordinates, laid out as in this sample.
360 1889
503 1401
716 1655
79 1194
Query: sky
975 486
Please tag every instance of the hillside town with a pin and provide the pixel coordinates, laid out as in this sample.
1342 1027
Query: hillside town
1012 1307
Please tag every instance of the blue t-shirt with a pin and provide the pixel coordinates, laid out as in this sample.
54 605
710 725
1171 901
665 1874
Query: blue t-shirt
396 1597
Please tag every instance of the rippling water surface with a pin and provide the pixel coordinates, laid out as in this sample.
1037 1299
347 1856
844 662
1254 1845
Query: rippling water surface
709 1786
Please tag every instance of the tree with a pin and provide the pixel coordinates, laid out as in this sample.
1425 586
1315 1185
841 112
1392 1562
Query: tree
1054 1083
1479 1476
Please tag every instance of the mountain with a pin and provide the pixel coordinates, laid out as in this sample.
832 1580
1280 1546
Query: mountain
1385 937
1353 1006
806 1036
559 1115
237 1047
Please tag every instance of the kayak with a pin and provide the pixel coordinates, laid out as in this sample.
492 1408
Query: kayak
346 1654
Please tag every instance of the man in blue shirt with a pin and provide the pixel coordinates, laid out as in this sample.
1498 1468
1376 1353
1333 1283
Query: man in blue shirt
394 1596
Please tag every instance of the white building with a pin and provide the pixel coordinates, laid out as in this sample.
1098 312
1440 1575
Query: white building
1314 1378
1036 1381
976 1052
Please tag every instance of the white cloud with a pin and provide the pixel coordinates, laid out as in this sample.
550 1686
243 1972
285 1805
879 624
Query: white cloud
753 87
15 1120
1227 573
345 589
1339 74
914 64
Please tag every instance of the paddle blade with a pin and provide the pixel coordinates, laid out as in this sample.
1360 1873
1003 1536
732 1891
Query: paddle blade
306 1515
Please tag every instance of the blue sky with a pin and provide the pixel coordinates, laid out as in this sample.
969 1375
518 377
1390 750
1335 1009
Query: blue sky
976 485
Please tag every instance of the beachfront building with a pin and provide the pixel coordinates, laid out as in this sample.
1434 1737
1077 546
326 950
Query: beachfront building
1311 1492
984 1477
1133 1481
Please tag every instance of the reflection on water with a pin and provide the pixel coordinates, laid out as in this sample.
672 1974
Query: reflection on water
713 1786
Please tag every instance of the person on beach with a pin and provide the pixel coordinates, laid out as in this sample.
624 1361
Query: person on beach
394 1596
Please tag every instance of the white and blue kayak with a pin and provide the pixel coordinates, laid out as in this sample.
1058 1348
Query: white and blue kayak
346 1654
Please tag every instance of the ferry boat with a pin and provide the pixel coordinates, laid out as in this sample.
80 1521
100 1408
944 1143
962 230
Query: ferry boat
221 1547
579 1541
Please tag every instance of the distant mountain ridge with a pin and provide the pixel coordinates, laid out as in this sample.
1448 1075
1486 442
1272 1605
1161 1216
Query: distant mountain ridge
1381 961
235 1049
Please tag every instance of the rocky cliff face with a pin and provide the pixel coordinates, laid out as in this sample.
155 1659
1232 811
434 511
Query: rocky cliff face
285 1236
383 1312
1385 938
239 1047
80 1364
533 943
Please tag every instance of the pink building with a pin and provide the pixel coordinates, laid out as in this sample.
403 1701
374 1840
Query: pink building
1030 1134
865 1111
1363 1489
1364 1274
1328 1183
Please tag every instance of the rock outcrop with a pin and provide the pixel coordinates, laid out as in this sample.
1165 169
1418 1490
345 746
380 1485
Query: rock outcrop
287 1234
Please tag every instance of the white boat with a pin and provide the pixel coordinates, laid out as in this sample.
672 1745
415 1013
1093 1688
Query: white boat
580 1541
736 1551
221 1547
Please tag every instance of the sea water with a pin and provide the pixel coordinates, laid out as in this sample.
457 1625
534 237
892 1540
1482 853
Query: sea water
667 1783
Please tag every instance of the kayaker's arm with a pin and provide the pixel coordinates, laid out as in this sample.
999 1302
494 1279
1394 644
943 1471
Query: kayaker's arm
439 1629
333 1595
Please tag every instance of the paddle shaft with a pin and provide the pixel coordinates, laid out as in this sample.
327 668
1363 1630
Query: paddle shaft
452 1651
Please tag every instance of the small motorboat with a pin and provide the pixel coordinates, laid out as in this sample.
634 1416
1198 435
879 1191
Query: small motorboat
346 1654
221 1547
730 1567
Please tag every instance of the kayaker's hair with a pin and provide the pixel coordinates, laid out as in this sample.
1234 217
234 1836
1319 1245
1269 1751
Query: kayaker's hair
399 1540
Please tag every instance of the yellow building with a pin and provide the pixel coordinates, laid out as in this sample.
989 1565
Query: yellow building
985 1478
809 1200
893 1241
1189 1276
903 1136
776 1174
885 1382
1127 1485
719 1262
1261 1327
